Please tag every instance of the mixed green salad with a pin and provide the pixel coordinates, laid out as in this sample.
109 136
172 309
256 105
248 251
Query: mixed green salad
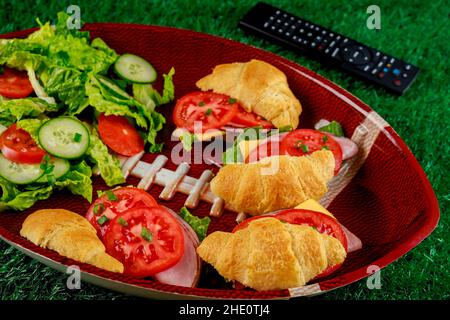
69 103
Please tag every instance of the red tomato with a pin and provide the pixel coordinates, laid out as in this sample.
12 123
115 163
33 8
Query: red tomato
212 110
17 145
305 141
14 84
250 119
145 252
323 223
120 135
115 203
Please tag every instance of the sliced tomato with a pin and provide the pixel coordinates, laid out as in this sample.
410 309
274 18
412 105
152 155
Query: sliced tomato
145 252
115 203
120 135
302 142
250 119
211 110
17 145
14 84
323 224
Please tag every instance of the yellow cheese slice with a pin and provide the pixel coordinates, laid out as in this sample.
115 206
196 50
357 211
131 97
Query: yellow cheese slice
245 147
313 205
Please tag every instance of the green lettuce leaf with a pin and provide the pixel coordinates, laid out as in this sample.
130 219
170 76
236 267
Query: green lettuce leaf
16 109
144 93
77 180
14 199
199 225
108 165
98 98
68 85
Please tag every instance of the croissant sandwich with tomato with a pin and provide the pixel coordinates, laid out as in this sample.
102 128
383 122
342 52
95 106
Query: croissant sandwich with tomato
280 251
259 87
274 183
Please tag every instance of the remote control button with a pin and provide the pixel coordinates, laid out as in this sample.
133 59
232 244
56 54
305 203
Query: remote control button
396 72
332 43
313 44
338 38
317 28
366 68
335 52
405 75
302 30
324 32
397 82
354 54
385 69
381 75
392 60
345 40
266 25
408 67
374 71
309 34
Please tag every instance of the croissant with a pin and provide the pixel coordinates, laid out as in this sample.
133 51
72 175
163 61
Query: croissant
271 255
259 87
69 234
274 183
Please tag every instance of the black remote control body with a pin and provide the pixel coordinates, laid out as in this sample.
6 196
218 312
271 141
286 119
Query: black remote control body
330 47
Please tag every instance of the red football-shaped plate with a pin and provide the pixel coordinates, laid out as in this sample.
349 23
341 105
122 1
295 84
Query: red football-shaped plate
382 195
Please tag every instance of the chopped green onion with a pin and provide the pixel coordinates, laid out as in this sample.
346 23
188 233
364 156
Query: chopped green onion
334 128
231 101
98 208
304 148
122 222
146 234
325 148
208 112
102 220
1 70
325 138
77 137
51 179
201 103
111 196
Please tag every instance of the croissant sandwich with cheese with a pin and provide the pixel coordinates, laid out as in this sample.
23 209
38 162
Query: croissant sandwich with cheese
269 254
69 234
259 87
274 183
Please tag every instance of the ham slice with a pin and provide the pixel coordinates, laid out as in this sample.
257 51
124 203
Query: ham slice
187 271
353 242
348 147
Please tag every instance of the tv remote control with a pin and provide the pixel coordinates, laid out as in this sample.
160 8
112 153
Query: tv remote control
330 47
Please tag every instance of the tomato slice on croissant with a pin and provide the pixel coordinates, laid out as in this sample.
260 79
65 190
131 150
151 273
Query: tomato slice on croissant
321 222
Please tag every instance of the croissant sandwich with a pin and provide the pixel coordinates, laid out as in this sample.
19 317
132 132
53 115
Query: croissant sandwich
274 183
271 255
259 87
69 234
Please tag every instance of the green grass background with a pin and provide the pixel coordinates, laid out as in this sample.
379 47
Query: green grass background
415 30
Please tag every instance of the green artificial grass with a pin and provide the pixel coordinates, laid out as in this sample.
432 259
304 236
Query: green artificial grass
411 29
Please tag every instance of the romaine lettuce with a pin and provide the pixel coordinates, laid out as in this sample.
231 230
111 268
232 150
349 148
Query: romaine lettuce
108 165
16 109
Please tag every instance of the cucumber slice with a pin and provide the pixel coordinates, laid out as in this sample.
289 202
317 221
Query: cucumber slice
113 88
62 166
64 137
135 69
19 173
